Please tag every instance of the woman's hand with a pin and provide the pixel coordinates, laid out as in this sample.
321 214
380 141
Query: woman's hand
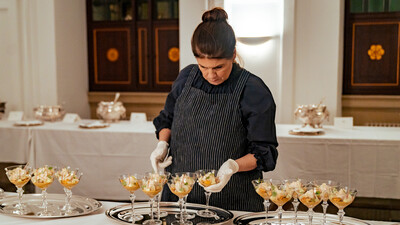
225 173
158 155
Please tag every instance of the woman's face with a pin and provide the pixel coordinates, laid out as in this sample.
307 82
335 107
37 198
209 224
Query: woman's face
215 71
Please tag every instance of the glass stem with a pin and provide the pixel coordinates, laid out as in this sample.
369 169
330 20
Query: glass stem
158 206
132 197
44 200
266 206
310 215
68 193
324 208
181 221
280 214
341 215
151 208
208 194
20 191
295 207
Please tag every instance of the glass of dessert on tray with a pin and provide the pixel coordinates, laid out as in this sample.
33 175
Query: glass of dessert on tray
207 178
151 187
264 189
68 178
280 194
19 175
161 177
341 197
297 185
131 182
325 187
311 198
181 185
42 178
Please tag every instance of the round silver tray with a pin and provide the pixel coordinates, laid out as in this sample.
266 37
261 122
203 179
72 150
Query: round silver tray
32 202
288 218
118 213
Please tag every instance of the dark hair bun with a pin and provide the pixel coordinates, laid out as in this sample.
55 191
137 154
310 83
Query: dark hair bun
215 15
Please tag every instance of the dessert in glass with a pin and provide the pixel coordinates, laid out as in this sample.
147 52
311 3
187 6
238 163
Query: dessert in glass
131 182
151 187
180 185
263 188
311 198
297 185
19 175
325 187
280 194
207 178
42 178
341 197
68 178
163 178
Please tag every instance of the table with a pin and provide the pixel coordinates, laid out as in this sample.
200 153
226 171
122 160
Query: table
15 143
99 217
367 158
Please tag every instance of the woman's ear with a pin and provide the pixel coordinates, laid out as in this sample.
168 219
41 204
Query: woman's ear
234 55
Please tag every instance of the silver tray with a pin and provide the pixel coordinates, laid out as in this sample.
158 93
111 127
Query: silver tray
32 202
288 218
118 213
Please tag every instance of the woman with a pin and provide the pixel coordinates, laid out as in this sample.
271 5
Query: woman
217 116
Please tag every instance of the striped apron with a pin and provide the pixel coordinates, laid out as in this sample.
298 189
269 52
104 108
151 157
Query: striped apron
206 131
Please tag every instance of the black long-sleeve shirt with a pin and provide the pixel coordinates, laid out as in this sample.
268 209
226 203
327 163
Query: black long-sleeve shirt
257 107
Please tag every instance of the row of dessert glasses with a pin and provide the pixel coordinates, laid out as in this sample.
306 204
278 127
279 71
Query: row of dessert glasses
180 184
42 178
309 193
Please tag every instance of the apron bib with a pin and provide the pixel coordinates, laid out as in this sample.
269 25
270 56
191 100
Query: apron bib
206 131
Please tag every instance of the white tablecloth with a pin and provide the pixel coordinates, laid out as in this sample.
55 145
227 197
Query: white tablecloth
367 158
15 143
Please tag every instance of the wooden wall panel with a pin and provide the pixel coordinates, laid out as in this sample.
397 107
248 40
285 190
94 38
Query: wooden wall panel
112 64
167 55
375 54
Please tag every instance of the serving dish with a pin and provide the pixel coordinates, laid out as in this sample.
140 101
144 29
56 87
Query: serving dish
288 218
28 123
32 205
118 213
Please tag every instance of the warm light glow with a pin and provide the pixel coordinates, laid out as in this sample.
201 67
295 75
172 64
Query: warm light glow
255 18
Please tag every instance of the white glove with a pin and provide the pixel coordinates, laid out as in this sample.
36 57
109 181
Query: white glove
157 157
225 172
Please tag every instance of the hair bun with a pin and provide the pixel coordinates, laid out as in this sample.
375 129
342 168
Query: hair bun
215 15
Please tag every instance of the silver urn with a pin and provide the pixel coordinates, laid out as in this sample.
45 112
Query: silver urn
313 115
110 112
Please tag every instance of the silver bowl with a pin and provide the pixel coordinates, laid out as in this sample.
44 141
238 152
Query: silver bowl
110 112
49 113
313 115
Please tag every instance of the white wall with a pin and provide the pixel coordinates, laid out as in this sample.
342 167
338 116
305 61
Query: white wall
318 53
71 56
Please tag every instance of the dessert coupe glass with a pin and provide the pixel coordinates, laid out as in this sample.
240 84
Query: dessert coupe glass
161 177
341 197
19 175
68 178
311 198
131 182
325 187
42 178
207 178
151 187
181 185
297 185
280 194
263 188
